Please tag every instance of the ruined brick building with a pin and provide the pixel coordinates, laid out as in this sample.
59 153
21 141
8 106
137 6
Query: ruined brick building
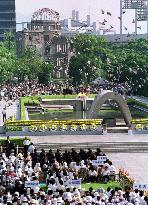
44 34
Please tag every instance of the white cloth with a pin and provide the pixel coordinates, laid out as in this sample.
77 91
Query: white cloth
26 142
31 149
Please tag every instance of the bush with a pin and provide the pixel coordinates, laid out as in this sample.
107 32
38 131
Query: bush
32 103
16 141
14 128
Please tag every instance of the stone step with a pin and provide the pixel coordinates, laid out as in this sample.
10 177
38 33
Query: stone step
106 144
107 150
105 147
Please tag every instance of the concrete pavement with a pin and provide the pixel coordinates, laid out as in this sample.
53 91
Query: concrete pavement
135 163
11 110
110 137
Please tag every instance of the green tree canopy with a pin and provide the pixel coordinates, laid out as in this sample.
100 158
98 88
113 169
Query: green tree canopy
7 63
129 63
117 62
90 55
29 63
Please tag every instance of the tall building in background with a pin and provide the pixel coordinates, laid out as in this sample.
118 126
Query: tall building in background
7 17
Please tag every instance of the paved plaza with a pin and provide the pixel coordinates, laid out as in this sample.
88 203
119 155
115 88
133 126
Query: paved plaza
135 163
111 137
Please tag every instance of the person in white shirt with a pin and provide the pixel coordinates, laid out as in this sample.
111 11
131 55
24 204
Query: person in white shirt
67 195
105 174
92 174
31 148
26 144
37 167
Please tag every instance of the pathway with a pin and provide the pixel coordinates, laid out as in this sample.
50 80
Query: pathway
12 110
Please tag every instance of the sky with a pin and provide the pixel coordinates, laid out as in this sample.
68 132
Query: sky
25 9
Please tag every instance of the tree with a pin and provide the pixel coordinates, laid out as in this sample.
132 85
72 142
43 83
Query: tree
90 55
7 63
44 75
28 64
129 63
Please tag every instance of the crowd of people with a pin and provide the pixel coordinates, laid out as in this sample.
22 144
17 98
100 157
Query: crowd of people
13 91
57 169
31 88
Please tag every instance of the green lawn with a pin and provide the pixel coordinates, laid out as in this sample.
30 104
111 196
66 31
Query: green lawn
96 186
63 96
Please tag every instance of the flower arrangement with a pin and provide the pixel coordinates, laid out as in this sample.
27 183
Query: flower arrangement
73 127
140 121
139 127
42 125
53 127
63 127
93 127
33 128
57 122
83 127
125 179
42 128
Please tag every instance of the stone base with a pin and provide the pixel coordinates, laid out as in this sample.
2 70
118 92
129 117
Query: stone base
46 133
140 131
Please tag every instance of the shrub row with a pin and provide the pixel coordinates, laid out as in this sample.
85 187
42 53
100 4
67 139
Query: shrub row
16 141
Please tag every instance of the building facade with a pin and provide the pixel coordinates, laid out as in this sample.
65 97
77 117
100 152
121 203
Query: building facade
7 17
44 34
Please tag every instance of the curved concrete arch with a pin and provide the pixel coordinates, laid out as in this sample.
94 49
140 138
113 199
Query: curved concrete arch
101 98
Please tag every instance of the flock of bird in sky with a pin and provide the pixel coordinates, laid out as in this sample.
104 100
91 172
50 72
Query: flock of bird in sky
109 14
111 27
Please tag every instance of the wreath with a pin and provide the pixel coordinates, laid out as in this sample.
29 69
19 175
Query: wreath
73 127
53 127
139 127
33 128
42 128
83 127
63 127
93 127
146 126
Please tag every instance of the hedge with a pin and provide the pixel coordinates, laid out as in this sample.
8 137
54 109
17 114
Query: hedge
16 141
